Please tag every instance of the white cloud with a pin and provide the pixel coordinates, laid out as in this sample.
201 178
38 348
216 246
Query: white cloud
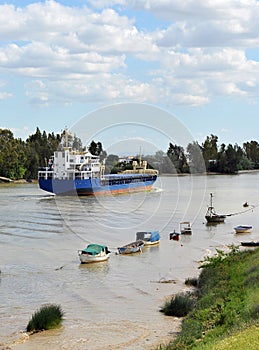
197 9
78 54
5 95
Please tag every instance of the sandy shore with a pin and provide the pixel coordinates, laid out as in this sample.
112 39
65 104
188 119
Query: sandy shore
124 335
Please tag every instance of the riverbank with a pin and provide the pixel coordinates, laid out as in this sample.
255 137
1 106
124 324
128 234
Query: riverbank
227 305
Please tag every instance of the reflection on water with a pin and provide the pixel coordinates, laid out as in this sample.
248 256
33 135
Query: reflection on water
40 236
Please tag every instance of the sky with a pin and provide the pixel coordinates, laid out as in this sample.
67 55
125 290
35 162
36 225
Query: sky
62 62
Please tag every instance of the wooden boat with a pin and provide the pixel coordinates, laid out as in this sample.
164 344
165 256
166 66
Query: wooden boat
131 248
185 228
94 253
243 229
250 244
211 215
174 236
148 237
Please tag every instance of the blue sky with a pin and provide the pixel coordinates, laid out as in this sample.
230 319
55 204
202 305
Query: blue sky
61 61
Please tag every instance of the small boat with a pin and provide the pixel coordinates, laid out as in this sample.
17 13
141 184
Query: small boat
174 236
243 229
250 244
148 237
211 215
185 228
131 248
94 253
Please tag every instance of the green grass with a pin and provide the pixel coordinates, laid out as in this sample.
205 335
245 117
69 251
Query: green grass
180 305
227 306
47 317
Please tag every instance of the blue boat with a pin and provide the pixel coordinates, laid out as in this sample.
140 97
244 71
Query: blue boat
148 237
134 247
73 172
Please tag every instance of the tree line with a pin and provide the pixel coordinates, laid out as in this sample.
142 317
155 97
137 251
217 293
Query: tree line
21 159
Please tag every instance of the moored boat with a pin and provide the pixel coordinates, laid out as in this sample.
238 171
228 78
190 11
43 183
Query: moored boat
243 229
211 215
250 244
148 237
131 248
80 172
94 253
175 236
185 228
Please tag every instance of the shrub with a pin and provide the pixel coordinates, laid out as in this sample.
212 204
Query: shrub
191 281
180 305
48 317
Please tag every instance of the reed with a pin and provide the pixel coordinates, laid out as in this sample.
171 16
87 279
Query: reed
180 305
191 281
47 317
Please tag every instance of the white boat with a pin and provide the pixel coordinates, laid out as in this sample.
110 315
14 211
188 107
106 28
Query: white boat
185 228
243 229
148 237
94 253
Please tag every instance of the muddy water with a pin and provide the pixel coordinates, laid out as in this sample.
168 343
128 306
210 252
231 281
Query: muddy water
115 304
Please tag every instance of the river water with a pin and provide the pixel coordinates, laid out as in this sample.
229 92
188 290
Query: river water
114 304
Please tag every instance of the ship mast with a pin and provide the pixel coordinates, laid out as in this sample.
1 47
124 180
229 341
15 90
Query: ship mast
140 156
211 196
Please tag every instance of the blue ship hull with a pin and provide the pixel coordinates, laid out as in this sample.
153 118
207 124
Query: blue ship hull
94 186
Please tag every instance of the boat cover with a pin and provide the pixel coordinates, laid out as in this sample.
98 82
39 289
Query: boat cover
94 249
151 236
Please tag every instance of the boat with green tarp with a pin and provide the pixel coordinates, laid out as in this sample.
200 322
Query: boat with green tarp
94 253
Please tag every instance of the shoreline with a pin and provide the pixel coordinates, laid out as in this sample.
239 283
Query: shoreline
4 180
124 335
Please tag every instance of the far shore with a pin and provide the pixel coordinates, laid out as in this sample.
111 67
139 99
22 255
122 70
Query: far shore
211 173
240 172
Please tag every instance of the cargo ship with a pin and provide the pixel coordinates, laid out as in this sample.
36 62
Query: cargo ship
74 172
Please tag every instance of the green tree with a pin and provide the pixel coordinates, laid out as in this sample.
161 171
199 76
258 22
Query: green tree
96 149
252 152
195 157
221 159
177 157
210 152
161 162
229 159
39 149
12 155
111 160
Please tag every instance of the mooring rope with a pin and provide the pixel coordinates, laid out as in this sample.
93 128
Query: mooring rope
244 211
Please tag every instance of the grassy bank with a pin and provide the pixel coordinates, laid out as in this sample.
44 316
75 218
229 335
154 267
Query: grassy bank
226 312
